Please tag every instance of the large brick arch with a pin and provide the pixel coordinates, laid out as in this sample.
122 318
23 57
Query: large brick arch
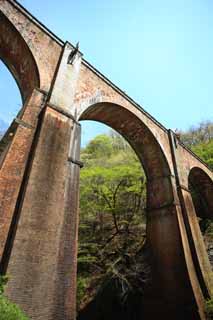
144 143
135 132
16 54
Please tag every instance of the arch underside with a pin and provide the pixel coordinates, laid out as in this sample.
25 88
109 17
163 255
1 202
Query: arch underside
142 141
201 187
200 205
134 131
16 55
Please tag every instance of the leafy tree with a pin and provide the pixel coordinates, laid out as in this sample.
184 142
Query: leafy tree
203 133
112 215
100 146
205 151
200 140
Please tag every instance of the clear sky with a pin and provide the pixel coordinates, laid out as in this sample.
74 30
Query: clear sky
159 52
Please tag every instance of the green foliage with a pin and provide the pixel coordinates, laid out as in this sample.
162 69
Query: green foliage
82 284
8 310
100 146
3 282
203 133
209 309
205 151
112 213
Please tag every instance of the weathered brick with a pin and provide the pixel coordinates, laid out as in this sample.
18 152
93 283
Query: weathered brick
39 180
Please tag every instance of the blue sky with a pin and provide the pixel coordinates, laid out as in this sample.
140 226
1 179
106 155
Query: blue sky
159 52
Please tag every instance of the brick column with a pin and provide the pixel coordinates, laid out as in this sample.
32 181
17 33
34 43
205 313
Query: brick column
13 165
42 266
171 295
197 245
65 306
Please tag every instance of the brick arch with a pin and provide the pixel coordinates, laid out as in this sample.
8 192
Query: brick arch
144 143
202 185
17 56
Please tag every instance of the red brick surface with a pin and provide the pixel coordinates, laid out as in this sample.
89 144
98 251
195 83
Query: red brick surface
40 187
13 167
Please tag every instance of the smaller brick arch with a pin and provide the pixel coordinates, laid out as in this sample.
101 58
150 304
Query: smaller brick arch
199 204
17 56
202 190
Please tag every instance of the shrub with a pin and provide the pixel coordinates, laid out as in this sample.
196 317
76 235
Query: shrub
3 282
9 310
209 309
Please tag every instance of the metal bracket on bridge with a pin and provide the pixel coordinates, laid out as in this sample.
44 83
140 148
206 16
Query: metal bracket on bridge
23 123
164 206
181 186
64 112
73 54
160 177
79 163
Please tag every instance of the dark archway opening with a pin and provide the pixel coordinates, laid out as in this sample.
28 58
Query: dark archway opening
201 187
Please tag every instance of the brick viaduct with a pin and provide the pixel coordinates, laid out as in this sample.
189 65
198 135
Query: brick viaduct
39 179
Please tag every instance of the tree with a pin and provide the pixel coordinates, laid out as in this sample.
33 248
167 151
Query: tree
203 133
200 140
112 214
